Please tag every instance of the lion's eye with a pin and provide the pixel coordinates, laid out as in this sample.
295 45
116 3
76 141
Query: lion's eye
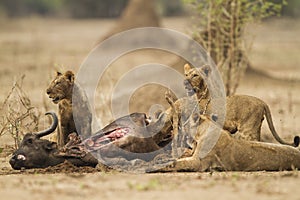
195 75
56 81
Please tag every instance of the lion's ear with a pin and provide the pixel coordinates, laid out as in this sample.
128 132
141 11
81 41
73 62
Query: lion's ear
206 70
70 76
187 67
58 73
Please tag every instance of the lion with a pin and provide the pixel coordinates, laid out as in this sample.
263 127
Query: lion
244 114
212 148
61 91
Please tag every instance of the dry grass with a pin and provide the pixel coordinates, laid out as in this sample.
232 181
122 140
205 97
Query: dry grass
18 114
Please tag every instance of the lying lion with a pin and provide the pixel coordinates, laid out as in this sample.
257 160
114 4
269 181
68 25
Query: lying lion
230 154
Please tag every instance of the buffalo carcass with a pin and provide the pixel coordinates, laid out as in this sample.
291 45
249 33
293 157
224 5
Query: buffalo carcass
35 152
130 137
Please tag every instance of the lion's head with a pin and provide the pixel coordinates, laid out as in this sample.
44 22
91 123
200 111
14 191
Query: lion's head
61 87
194 78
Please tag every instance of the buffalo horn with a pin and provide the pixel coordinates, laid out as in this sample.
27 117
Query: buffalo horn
51 128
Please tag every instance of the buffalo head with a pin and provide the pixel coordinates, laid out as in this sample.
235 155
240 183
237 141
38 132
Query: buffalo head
35 152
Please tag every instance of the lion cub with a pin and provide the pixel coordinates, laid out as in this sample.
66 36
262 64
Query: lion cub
244 114
61 91
214 149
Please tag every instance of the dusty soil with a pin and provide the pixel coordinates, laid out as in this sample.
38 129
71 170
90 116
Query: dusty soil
37 47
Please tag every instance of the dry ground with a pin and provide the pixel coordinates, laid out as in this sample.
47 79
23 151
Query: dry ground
36 47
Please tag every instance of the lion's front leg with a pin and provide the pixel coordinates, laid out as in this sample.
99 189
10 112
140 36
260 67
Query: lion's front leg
58 136
189 164
175 135
63 135
175 124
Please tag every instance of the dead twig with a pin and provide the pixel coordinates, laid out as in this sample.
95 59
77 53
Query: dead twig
19 115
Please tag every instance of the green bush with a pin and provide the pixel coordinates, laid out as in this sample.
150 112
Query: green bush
220 28
20 8
292 9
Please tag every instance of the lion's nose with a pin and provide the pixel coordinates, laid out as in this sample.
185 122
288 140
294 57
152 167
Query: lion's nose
48 91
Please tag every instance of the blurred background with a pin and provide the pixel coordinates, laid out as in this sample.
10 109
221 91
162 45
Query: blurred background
101 8
79 8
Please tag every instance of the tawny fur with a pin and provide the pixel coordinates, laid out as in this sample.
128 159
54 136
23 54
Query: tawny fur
244 114
214 148
61 91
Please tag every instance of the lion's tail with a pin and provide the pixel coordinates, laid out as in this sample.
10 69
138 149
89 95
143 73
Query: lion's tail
273 131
